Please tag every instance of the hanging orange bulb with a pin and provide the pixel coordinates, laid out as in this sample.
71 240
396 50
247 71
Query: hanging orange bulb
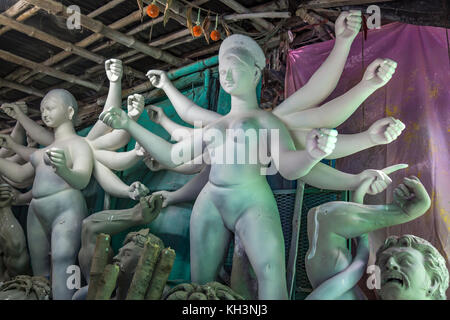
153 10
215 34
197 31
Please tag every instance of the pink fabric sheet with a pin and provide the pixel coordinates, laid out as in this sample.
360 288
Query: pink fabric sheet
419 95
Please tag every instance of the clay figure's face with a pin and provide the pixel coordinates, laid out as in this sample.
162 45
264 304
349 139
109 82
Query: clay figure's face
403 275
54 113
236 77
128 257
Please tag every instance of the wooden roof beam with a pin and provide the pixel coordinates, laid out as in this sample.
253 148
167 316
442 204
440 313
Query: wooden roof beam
315 4
56 8
21 74
47 70
18 86
239 8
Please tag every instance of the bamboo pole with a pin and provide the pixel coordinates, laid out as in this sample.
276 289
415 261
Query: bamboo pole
16 9
56 8
106 7
17 86
47 70
160 274
256 15
144 271
23 73
236 6
43 36
98 264
24 16
108 282
314 4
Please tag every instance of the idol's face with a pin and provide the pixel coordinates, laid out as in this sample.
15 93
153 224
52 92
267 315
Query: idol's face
128 257
53 113
236 77
403 275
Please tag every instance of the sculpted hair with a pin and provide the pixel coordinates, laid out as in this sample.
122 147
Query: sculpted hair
433 260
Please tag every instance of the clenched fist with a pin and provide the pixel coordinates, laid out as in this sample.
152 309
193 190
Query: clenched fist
158 78
379 72
114 70
135 105
321 142
348 25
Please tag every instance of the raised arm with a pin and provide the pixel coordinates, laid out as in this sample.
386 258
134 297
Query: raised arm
290 162
351 220
36 132
336 111
114 71
325 79
186 109
117 139
177 131
18 135
383 131
23 151
169 155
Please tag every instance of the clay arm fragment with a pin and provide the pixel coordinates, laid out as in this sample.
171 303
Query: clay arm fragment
351 220
35 131
116 187
18 135
21 150
336 111
186 109
169 155
114 71
325 79
177 131
117 160
291 163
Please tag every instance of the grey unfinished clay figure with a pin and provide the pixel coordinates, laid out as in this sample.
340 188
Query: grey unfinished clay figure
237 199
404 263
14 259
57 209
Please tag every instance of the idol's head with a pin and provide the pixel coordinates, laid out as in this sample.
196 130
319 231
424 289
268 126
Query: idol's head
241 61
58 106
411 269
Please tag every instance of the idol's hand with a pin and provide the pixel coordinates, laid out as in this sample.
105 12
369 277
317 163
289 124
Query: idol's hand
114 70
158 78
385 130
115 118
348 25
321 142
135 105
379 72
